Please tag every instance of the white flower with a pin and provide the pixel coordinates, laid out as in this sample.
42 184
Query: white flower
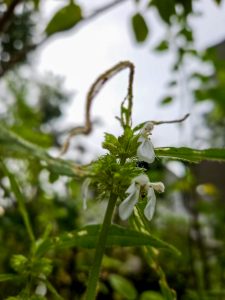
139 183
85 191
145 151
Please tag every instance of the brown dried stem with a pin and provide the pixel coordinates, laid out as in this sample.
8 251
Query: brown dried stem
171 121
93 92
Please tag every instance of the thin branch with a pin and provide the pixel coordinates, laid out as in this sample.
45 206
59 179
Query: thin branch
138 127
19 56
7 15
171 121
93 92
103 9
16 58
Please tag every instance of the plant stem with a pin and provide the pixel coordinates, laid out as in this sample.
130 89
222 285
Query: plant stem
99 251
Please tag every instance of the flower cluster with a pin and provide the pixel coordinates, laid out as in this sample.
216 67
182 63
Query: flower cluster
141 183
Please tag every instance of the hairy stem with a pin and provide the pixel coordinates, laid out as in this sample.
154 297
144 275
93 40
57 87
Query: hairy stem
99 252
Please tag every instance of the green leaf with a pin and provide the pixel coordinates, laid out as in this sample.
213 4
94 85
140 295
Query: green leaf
140 27
166 100
21 201
111 144
64 19
13 145
166 8
150 295
123 286
218 1
8 277
117 236
168 293
162 46
191 155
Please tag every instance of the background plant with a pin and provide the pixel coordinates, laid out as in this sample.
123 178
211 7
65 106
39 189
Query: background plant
41 179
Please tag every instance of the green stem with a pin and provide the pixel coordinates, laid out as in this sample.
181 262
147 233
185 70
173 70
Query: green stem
99 251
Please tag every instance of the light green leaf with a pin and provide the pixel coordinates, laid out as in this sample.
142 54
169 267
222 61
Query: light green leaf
123 286
64 19
151 295
140 27
191 155
117 236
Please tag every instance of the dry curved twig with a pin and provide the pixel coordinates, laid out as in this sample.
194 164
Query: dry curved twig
93 92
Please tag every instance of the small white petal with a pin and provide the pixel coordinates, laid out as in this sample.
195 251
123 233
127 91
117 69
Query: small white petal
132 188
147 129
141 179
41 289
145 151
84 191
151 202
126 207
158 187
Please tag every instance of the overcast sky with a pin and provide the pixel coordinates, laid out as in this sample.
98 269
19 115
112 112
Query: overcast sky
82 54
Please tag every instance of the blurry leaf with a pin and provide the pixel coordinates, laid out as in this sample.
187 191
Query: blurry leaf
172 83
36 4
218 1
21 200
19 263
166 8
187 5
166 100
117 236
187 33
168 293
162 46
12 145
64 19
191 155
111 143
54 292
123 286
7 277
53 177
150 295
140 27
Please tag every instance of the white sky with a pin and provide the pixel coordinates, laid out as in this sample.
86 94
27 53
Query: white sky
83 53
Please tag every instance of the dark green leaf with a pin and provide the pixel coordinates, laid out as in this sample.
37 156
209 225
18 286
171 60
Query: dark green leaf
7 277
191 155
162 46
166 8
166 100
123 286
140 27
117 236
218 1
65 19
187 5
187 33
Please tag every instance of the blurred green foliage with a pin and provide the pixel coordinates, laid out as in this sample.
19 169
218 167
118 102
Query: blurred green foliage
190 215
